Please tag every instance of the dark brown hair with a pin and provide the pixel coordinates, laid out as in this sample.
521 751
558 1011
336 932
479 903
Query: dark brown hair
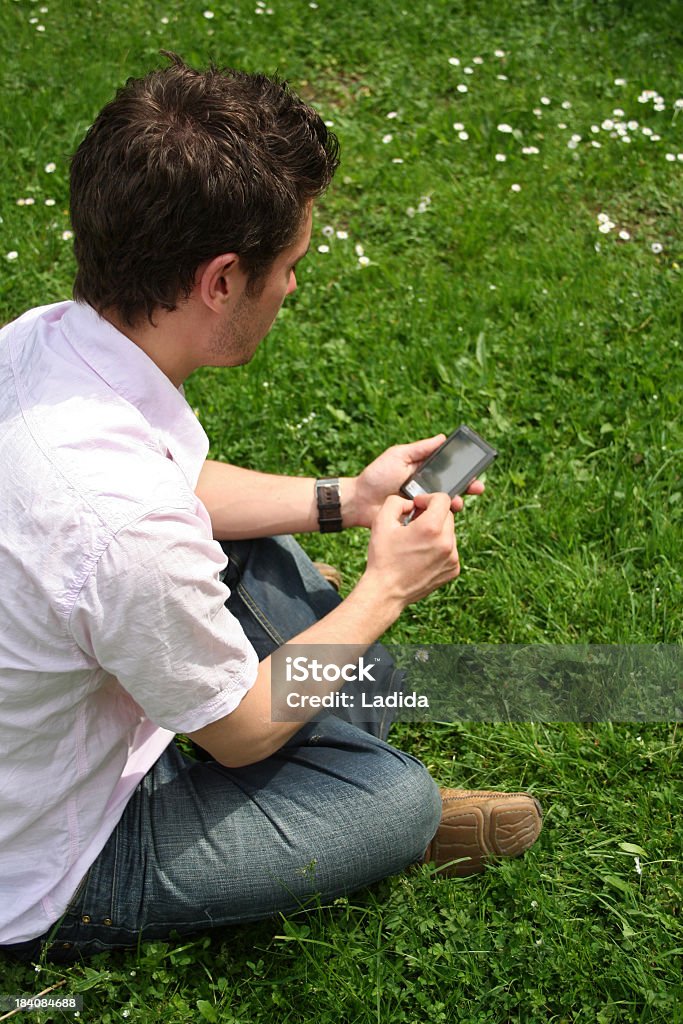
183 165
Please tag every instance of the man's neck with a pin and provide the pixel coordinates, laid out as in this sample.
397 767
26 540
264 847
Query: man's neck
166 341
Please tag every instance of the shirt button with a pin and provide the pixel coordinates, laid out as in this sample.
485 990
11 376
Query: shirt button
107 921
86 919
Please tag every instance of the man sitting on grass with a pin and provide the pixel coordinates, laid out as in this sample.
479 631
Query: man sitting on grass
145 588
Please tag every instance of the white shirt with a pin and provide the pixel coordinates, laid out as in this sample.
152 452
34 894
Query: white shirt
113 628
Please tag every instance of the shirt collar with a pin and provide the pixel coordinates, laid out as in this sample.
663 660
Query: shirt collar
136 378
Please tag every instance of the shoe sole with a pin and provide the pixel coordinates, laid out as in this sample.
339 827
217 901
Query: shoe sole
482 827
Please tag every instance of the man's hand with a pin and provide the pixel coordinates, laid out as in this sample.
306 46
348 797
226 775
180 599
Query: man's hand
411 561
385 475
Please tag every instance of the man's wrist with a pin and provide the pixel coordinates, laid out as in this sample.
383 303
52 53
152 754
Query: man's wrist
357 507
385 604
351 512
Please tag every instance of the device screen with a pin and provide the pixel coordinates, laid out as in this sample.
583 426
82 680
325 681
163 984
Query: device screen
455 464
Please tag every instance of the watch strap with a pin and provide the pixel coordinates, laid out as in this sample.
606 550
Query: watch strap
328 499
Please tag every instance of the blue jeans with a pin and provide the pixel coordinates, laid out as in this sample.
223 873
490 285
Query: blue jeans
202 846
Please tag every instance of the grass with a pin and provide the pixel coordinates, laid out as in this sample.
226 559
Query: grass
509 310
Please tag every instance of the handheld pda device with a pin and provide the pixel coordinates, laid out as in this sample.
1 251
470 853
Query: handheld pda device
453 466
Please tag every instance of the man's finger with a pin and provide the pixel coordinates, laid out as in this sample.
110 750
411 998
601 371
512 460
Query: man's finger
418 451
435 506
396 507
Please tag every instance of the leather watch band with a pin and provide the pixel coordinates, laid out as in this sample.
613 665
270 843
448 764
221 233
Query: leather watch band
328 498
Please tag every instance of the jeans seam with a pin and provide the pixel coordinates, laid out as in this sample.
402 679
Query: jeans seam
262 619
114 876
84 926
387 712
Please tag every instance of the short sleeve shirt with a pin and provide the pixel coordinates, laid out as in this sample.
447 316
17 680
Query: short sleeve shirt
114 633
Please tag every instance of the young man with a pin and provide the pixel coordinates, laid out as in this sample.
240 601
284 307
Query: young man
122 622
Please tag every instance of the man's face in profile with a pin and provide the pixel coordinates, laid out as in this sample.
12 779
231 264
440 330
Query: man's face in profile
235 340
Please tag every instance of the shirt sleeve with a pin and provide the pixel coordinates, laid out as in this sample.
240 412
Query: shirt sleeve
152 613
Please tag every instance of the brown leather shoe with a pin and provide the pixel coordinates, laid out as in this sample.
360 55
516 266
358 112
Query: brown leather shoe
330 573
479 825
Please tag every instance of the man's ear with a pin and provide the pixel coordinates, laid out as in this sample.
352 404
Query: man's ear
218 279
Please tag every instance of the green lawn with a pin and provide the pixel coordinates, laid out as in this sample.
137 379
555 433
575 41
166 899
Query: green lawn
501 247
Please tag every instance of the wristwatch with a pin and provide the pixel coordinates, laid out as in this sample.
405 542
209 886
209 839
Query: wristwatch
328 498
